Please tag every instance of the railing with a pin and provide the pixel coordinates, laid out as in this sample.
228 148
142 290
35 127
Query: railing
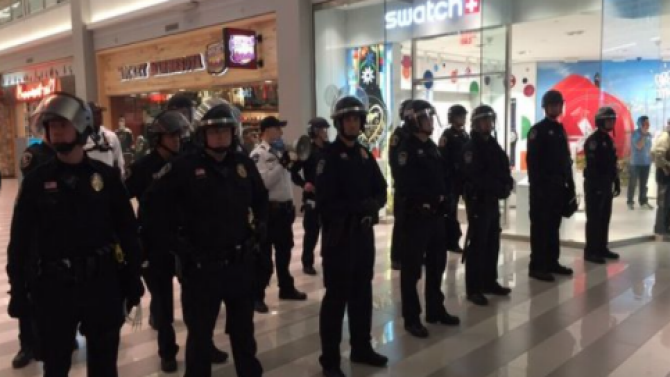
12 10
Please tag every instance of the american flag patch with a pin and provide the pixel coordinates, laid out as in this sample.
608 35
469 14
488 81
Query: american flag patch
52 185
200 172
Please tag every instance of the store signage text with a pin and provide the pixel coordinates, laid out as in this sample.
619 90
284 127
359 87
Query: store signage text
187 64
35 91
663 85
432 11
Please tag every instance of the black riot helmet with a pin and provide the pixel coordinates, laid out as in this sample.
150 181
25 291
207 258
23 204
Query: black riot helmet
216 113
456 111
603 115
183 103
552 97
420 109
63 106
316 124
480 113
346 106
169 122
405 109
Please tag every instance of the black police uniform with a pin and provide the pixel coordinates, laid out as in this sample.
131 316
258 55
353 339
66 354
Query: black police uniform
423 186
398 137
350 191
211 204
34 156
451 148
486 180
67 224
551 186
310 222
600 177
160 272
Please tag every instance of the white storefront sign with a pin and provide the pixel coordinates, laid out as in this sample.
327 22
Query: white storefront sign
432 11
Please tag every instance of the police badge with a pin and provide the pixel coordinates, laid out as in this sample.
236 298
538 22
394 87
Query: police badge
241 171
97 182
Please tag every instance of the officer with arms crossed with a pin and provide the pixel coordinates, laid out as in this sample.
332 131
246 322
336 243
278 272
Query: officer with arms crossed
552 189
350 192
486 181
318 132
423 186
601 186
273 163
217 201
73 251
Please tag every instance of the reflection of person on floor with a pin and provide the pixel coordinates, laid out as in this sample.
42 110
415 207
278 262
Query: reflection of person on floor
640 163
660 153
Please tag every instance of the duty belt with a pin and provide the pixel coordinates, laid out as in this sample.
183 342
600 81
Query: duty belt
229 256
425 208
281 205
82 268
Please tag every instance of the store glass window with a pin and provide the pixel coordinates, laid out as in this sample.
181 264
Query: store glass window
35 5
10 10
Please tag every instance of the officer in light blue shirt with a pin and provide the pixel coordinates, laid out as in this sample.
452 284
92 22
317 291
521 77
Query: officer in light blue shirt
640 163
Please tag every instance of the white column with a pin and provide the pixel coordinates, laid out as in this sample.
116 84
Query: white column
84 63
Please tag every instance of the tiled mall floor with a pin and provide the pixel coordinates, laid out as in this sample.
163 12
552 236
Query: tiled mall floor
606 320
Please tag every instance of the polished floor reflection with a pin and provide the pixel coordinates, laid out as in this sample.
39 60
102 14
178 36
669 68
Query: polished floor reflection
606 320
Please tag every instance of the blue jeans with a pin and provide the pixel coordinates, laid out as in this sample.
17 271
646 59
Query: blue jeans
638 173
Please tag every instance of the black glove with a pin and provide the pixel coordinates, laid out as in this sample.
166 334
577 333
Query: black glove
133 291
617 188
19 304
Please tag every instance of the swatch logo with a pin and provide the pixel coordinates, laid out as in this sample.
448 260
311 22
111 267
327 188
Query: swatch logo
432 11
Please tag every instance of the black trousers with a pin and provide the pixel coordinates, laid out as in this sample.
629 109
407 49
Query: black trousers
27 333
598 216
280 236
348 256
95 307
312 225
545 223
203 291
398 230
159 278
481 259
425 239
453 227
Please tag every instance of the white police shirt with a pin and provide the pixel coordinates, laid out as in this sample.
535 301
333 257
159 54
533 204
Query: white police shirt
277 179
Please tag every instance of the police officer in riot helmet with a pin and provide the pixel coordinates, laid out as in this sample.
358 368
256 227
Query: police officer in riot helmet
486 181
552 189
451 147
399 135
216 202
601 186
183 103
73 255
350 191
317 130
422 184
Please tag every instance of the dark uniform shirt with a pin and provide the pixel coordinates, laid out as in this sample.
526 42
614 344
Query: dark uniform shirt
346 178
140 175
549 162
421 173
601 162
68 212
398 137
308 168
485 170
451 149
211 202
36 155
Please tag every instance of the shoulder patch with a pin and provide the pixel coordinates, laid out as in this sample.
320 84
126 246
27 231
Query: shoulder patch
161 173
395 140
443 141
129 173
320 167
402 158
364 154
593 145
533 134
468 157
26 159
241 171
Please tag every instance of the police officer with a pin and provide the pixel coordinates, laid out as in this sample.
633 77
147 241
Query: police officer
317 130
104 145
552 189
350 191
34 156
73 252
210 198
601 186
183 103
423 186
273 163
451 147
486 180
399 135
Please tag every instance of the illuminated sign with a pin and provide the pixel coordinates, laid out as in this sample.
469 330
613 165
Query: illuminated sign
177 66
35 91
240 48
216 58
432 11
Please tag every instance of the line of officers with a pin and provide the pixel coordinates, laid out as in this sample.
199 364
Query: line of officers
210 214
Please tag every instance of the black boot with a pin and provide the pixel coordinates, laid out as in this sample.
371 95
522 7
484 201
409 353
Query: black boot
23 358
218 356
368 357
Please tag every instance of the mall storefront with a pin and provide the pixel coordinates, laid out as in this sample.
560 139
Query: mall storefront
507 54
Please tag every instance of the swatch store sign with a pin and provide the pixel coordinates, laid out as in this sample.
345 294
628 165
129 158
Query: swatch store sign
433 17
